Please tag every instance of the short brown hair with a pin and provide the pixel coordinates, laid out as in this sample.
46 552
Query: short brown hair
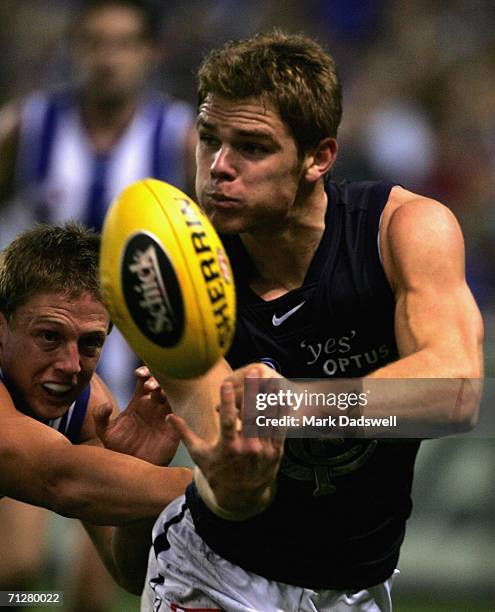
291 71
49 258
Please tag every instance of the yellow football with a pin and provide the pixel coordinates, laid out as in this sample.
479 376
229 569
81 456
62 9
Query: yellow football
166 279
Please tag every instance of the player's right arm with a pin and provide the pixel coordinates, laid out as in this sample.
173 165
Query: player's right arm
10 120
38 465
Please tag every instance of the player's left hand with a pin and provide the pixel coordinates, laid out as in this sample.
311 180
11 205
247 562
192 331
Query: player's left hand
141 429
240 470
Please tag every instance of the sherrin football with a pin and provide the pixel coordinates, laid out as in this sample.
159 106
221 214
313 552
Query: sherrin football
166 279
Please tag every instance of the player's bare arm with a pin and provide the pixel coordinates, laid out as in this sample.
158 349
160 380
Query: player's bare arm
126 566
87 482
438 326
195 400
140 430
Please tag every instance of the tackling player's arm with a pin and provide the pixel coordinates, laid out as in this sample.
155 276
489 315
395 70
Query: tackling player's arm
139 430
126 555
9 139
101 535
41 467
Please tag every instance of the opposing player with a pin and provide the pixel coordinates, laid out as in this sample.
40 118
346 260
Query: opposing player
334 280
52 328
66 153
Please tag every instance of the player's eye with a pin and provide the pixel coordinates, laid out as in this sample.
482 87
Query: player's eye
253 149
49 336
208 140
91 344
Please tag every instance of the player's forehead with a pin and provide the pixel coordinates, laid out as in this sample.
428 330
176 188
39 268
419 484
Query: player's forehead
254 115
84 310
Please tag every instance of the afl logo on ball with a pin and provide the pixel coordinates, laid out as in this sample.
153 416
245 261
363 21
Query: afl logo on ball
151 290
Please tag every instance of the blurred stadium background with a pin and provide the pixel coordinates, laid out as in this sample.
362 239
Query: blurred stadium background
419 109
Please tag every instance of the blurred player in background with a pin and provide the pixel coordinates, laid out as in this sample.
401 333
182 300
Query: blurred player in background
66 154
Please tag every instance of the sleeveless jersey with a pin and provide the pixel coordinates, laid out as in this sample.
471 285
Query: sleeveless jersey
70 424
339 514
59 177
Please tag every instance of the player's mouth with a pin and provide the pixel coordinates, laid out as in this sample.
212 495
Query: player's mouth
221 200
57 389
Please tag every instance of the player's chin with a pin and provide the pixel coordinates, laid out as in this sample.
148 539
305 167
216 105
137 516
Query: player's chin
50 411
227 221
49 406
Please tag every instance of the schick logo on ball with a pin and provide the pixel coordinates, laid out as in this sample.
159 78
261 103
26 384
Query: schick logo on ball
151 290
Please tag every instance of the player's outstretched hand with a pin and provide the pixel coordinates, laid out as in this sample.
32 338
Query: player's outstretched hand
239 471
141 429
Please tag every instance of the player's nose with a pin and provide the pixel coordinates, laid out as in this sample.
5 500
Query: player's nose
69 359
222 165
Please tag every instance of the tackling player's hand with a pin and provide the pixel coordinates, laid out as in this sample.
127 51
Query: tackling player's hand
239 470
141 429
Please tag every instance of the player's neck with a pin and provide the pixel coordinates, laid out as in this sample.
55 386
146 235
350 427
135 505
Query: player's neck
282 257
105 121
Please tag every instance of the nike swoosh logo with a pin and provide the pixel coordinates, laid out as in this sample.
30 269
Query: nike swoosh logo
279 320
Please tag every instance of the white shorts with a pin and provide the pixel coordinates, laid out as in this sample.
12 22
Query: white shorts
190 576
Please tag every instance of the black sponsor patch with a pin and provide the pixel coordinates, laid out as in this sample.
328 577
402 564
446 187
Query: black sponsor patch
151 290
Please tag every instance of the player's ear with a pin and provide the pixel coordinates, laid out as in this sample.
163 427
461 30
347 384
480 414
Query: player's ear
321 159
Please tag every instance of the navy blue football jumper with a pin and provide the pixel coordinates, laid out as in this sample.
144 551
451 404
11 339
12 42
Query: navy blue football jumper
338 518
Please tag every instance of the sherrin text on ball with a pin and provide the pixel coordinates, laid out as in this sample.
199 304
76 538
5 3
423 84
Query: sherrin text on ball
167 280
